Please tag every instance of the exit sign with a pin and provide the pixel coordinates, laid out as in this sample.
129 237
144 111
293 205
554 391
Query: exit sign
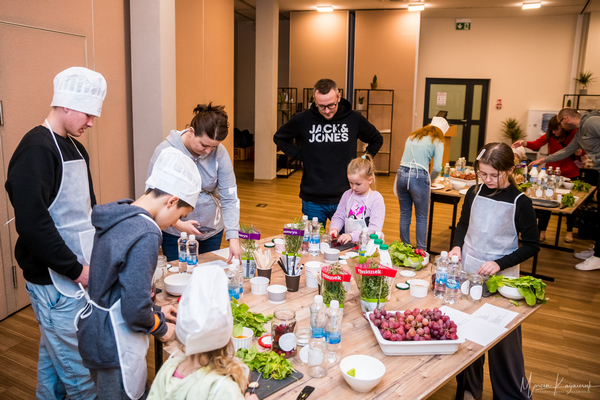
463 24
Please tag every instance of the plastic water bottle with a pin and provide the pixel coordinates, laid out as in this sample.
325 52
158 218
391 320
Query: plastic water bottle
306 237
452 294
542 174
371 247
524 169
182 247
235 276
318 317
315 237
192 253
533 174
363 240
441 275
333 331
447 173
559 178
384 256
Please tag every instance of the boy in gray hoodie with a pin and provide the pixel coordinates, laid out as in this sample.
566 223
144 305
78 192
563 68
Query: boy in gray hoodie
115 325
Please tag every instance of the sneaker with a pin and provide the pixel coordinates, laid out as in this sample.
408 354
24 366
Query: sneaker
590 264
584 255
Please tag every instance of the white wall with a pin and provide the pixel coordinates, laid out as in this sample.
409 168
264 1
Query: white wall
527 59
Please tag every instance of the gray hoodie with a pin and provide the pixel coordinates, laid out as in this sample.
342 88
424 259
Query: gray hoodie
122 267
218 205
587 138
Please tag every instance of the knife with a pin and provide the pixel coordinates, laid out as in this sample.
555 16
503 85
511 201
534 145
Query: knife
253 385
305 392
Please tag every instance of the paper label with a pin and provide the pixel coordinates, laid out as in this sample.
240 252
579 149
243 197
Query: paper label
250 236
476 292
464 288
293 232
335 278
381 271
287 342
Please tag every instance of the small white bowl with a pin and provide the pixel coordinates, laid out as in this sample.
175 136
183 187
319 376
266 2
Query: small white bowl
276 293
457 185
510 292
418 287
568 185
259 285
176 284
368 372
244 341
331 255
424 262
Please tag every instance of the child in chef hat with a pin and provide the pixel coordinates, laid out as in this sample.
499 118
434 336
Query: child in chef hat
205 367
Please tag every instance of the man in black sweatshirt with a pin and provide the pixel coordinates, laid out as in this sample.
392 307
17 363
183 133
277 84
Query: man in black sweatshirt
325 142
50 188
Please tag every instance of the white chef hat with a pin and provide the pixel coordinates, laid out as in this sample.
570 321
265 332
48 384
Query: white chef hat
79 89
440 123
176 174
204 320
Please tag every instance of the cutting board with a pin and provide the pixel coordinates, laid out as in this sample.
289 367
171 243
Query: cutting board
267 387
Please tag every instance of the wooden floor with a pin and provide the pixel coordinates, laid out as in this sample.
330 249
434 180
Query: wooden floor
561 341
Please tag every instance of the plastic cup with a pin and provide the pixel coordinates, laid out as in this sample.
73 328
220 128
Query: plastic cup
292 283
311 270
259 285
264 272
279 245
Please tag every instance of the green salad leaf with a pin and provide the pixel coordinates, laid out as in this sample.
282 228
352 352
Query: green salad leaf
581 186
404 255
270 364
243 317
533 289
524 186
567 200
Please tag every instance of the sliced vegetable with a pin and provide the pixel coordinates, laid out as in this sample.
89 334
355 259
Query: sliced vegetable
352 372
270 364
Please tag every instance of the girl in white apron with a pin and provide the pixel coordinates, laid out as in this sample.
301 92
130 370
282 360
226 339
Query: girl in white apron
487 240
359 207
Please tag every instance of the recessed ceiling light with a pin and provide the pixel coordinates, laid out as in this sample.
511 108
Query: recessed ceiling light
416 7
324 8
532 5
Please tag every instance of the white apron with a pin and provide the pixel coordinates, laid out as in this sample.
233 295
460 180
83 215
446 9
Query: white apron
487 240
132 347
71 212
351 224
414 164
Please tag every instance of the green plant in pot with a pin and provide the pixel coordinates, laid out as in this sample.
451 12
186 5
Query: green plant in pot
511 130
374 83
584 79
361 103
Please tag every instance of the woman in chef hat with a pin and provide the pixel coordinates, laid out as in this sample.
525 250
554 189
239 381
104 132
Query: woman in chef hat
487 241
205 367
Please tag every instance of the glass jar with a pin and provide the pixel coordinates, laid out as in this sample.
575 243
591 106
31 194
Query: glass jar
317 362
303 336
464 283
433 268
476 287
283 327
325 242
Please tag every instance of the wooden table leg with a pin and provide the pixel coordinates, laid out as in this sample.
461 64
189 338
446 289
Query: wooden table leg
431 201
533 271
556 240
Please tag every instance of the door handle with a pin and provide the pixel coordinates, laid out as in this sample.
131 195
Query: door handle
464 121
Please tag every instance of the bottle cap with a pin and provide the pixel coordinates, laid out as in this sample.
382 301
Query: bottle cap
183 234
384 247
372 236
444 254
378 241
315 219
454 258
192 237
305 218
318 298
334 304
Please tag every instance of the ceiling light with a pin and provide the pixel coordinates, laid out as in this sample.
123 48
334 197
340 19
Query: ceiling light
416 7
531 5
324 8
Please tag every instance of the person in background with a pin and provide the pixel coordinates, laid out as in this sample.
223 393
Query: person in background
218 207
556 138
115 324
360 207
413 183
489 246
588 139
50 187
203 365
324 138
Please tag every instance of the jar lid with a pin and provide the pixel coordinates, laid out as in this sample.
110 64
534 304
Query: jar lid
269 244
402 286
265 341
407 274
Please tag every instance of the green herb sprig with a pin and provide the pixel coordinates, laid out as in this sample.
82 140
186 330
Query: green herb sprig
270 364
581 186
333 290
293 243
533 289
373 287
243 317
567 200
248 245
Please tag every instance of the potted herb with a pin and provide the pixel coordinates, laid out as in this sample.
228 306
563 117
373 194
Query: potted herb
375 283
374 83
332 283
248 239
511 130
584 79
293 234
282 100
360 105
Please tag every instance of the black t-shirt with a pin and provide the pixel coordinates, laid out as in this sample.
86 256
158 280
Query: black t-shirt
525 222
34 178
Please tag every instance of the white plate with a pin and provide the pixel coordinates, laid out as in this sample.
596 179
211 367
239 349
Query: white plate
466 182
408 274
437 186
463 191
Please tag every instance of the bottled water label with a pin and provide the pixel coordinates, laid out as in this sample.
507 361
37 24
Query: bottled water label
452 283
234 292
440 278
318 332
334 337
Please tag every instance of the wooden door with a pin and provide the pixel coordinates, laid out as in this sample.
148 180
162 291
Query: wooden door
31 57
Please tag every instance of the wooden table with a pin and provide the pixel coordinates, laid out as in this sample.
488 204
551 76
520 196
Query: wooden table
409 377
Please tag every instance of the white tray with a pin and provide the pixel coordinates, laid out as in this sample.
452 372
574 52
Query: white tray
466 182
427 347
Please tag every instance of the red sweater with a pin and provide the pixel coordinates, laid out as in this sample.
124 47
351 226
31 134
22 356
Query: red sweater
567 165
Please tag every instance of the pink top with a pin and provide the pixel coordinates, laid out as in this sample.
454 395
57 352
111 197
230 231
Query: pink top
177 375
359 207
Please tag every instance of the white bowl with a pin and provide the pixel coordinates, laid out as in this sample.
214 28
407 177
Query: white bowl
424 262
457 185
510 292
259 285
176 284
276 293
418 287
369 372
244 342
568 185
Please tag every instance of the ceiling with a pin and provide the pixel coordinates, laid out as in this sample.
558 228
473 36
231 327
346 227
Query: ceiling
245 10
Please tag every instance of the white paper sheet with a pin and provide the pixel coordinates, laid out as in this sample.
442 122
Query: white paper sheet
222 252
494 315
481 332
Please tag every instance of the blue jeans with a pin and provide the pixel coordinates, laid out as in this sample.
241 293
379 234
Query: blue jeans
61 373
169 245
417 193
322 211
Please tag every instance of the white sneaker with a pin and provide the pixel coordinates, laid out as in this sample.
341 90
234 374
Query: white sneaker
584 255
590 264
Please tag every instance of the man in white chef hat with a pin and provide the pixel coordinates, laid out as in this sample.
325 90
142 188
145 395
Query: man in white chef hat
115 325
208 369
50 187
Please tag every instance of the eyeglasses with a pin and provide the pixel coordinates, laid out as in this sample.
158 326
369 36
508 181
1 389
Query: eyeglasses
330 107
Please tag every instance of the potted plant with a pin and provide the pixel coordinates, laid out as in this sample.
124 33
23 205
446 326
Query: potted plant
361 105
584 79
512 131
374 83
